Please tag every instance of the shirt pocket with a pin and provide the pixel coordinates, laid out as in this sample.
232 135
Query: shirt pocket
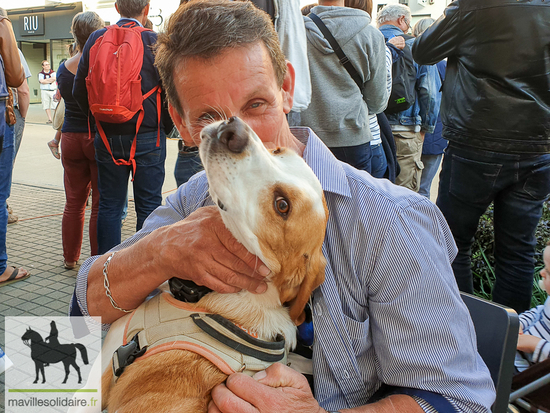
359 334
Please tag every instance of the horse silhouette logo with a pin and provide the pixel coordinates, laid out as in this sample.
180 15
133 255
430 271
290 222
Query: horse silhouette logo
51 351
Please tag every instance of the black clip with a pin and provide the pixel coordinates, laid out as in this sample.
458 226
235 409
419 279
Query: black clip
187 291
126 355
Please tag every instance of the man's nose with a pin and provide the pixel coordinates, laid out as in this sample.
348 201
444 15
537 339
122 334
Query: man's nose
233 134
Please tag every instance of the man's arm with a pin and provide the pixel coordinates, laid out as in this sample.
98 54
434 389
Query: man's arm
23 98
440 39
375 90
13 69
428 85
198 248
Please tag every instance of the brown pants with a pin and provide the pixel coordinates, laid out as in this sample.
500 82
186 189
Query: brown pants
409 151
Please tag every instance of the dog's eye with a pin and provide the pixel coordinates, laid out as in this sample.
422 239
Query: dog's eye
282 206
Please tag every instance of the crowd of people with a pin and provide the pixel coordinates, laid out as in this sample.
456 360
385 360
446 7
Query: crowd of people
381 110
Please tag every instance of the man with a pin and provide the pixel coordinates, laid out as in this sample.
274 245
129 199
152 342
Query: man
12 73
48 86
21 101
389 310
150 154
410 125
495 114
339 109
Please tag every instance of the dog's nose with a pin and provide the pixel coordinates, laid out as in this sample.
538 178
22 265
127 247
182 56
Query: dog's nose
233 134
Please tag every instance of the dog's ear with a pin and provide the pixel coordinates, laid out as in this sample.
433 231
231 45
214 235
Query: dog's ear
315 275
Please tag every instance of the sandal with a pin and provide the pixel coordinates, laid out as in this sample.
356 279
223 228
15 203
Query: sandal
54 147
69 265
13 277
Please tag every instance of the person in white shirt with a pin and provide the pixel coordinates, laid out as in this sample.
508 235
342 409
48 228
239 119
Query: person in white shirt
48 86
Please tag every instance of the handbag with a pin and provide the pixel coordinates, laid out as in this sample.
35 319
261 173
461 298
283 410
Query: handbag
59 115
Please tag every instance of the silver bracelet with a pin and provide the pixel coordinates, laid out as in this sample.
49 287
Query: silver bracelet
107 285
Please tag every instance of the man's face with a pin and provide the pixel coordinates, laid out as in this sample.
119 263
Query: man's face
46 66
239 82
404 24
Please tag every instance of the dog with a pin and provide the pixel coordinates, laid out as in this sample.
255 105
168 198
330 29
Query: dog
273 204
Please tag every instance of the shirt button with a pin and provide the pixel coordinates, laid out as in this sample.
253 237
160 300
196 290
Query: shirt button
345 375
318 309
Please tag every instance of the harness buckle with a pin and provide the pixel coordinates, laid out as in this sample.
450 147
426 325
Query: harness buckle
186 290
126 355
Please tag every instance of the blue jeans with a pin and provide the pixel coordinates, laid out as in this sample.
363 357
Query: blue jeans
187 165
431 165
359 156
113 182
379 163
6 168
518 185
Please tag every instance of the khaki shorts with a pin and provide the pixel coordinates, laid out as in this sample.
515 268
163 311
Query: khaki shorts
409 151
47 99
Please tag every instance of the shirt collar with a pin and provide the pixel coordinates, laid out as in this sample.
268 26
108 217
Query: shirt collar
320 159
131 19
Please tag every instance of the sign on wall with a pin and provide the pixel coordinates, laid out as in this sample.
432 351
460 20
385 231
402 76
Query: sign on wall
31 24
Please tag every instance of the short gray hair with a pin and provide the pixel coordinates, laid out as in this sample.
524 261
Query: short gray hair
392 12
131 8
422 25
3 12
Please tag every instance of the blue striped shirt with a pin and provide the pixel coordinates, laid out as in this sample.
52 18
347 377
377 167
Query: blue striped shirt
389 310
536 322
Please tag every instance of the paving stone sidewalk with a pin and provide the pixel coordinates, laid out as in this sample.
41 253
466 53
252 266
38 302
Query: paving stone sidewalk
34 242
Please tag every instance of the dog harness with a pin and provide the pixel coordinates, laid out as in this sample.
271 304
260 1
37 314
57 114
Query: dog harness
164 323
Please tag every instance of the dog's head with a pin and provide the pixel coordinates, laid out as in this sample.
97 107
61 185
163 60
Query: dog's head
272 203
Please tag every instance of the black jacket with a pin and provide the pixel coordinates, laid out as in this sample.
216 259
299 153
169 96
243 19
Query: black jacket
496 94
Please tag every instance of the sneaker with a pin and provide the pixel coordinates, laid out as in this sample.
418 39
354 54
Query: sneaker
49 121
12 218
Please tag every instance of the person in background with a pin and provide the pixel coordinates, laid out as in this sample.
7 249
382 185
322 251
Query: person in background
12 76
77 151
409 126
496 117
21 100
147 165
48 87
434 143
339 109
534 330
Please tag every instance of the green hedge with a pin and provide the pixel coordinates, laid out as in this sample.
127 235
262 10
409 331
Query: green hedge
483 261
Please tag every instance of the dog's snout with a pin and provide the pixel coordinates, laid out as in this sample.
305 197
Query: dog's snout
233 134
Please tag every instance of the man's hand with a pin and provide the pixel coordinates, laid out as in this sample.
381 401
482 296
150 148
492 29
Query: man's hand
527 343
201 249
398 41
276 389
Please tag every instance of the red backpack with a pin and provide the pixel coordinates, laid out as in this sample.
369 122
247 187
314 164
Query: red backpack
114 82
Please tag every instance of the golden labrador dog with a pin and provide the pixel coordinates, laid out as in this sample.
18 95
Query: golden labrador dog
273 204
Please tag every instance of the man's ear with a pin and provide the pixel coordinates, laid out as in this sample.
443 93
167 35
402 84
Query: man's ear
181 126
288 87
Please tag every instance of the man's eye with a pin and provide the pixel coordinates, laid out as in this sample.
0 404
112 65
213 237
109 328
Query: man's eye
207 117
255 105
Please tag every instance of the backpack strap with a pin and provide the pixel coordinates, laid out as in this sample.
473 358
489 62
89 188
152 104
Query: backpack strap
344 60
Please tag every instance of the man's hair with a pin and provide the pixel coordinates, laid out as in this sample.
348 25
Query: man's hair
84 24
3 12
44 61
392 12
421 26
365 5
205 29
131 8
307 9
